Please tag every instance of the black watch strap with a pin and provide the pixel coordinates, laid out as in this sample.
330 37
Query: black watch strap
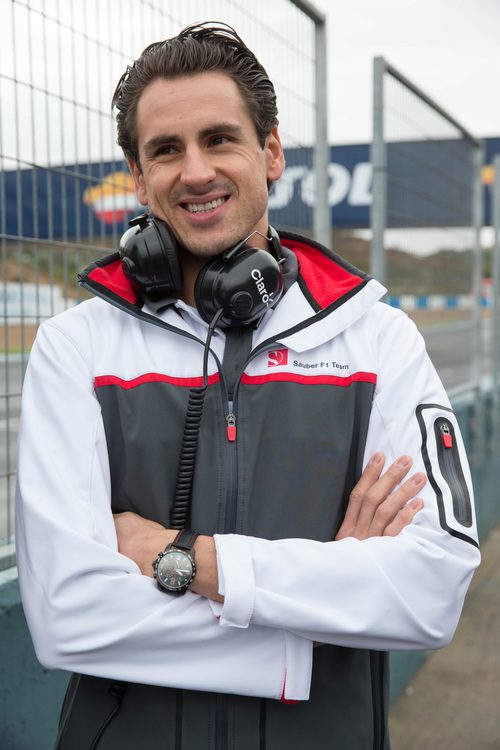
185 539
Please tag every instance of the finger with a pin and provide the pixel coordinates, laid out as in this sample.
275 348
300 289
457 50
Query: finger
381 490
367 479
388 511
371 473
404 517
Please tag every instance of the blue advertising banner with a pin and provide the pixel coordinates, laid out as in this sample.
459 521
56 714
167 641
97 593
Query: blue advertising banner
349 191
81 201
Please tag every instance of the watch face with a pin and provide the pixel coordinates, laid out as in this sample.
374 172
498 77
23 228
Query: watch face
175 570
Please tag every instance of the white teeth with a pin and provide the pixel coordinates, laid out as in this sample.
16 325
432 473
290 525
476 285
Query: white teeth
196 208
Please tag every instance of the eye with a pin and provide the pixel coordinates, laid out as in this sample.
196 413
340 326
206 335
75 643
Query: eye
165 150
219 140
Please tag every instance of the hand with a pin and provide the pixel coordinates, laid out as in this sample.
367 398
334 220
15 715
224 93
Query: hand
374 509
141 540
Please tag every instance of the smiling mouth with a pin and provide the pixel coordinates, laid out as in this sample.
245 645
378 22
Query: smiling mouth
199 208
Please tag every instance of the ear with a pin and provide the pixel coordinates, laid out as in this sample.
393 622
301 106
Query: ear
275 158
139 184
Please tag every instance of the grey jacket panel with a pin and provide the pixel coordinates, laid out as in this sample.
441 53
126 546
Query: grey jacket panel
144 429
299 451
343 713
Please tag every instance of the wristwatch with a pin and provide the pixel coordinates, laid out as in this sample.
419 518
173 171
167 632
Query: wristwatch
175 568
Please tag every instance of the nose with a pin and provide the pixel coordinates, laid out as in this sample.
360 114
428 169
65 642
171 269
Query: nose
197 168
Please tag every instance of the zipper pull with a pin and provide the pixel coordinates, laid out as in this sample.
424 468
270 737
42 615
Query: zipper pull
231 427
446 435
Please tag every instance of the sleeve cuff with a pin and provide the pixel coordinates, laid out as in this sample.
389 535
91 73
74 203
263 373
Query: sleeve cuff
297 681
236 580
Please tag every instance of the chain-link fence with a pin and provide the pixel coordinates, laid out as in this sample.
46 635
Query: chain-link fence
65 191
426 215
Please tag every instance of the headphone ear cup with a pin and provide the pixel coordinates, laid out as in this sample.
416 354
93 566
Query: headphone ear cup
150 258
244 285
203 290
170 253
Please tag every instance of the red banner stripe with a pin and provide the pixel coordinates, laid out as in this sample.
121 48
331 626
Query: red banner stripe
292 377
153 377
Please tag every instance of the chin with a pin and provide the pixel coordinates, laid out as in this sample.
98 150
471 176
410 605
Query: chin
210 250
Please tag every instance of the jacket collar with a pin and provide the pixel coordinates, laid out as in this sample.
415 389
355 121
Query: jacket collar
328 296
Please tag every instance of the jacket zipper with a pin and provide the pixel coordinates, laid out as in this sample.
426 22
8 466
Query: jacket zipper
231 434
221 714
232 476
229 526
451 470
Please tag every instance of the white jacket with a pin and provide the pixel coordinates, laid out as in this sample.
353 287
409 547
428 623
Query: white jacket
91 611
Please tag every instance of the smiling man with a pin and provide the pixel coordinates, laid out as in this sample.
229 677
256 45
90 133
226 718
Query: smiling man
218 532
203 175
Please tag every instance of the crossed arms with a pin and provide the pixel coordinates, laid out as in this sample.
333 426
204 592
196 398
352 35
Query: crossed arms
375 508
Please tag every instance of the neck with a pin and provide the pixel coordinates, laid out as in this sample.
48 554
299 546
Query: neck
191 266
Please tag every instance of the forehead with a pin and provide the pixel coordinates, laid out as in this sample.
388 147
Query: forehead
189 103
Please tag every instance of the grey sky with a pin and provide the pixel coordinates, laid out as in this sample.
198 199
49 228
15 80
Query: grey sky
450 48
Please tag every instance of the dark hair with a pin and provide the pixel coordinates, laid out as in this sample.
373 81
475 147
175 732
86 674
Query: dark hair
197 48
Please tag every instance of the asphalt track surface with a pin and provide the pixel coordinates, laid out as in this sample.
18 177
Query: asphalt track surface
452 703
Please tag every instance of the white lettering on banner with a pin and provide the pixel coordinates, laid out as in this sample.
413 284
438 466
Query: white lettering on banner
340 180
361 188
355 188
283 190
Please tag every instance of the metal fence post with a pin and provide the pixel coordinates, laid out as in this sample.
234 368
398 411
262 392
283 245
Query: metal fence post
479 434
322 214
477 275
321 151
495 308
379 179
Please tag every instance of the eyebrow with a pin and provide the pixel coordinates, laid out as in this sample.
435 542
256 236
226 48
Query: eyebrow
216 129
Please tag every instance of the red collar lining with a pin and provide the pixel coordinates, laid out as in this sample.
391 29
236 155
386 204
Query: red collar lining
326 280
113 278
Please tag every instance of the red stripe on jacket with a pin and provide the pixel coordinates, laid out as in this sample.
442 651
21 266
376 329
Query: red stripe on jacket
153 377
292 377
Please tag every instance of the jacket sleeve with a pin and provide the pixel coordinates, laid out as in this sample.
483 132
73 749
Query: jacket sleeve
403 592
88 607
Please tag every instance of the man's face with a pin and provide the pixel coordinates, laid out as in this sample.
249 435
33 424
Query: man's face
203 170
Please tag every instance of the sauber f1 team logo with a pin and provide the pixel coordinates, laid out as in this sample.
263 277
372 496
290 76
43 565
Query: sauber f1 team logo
277 357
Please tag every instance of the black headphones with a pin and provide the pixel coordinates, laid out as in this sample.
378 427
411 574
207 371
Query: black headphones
242 281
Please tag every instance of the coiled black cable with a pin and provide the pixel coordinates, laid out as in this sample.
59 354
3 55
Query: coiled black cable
181 509
179 515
